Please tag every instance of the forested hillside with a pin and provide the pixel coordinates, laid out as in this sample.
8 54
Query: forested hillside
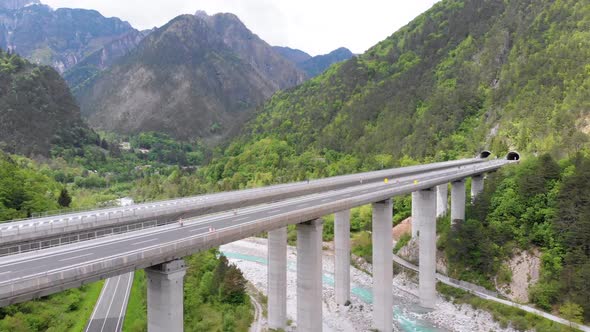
541 204
37 110
464 76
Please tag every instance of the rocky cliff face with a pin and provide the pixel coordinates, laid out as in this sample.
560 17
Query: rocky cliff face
198 76
60 38
88 69
17 4
253 50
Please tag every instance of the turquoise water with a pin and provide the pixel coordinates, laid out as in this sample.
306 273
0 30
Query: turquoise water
404 322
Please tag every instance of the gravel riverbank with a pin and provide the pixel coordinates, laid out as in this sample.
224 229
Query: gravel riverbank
250 256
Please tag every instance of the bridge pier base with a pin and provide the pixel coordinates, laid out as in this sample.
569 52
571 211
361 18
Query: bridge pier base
442 199
277 278
476 186
382 266
309 275
342 257
166 296
415 221
457 201
427 256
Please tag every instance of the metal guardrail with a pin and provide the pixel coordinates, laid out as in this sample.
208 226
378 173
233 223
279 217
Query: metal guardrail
110 217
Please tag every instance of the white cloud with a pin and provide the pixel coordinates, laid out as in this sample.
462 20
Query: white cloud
314 26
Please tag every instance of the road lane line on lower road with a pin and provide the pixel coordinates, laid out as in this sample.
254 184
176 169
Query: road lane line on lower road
142 242
103 291
1 273
274 211
106 318
125 301
75 257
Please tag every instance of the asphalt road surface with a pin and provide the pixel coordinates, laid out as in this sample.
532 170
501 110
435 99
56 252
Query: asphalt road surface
109 311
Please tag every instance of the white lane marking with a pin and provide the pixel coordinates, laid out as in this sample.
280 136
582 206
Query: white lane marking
142 242
75 257
1 273
111 304
325 200
274 211
198 229
240 219
104 288
303 205
125 301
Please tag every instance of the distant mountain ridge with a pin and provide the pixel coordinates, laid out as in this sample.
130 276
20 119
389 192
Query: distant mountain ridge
313 66
17 4
78 43
291 54
198 76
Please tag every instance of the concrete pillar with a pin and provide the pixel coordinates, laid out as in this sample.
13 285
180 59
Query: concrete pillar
476 186
342 257
309 276
382 266
427 256
277 278
442 199
457 201
165 296
415 225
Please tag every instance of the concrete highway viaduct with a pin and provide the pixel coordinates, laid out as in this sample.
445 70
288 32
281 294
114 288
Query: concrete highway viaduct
160 250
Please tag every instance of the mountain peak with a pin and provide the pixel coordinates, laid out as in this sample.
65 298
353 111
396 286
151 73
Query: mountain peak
17 4
201 13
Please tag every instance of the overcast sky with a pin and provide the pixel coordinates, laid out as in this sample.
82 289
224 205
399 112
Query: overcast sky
314 26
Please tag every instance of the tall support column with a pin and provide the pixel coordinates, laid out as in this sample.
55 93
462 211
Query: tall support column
342 253
165 296
277 278
427 271
415 223
382 266
442 199
309 276
476 186
457 201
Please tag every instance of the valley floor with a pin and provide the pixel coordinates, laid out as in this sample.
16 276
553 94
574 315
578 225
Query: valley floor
250 256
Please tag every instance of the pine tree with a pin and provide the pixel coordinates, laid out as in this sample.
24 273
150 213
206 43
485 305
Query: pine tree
64 199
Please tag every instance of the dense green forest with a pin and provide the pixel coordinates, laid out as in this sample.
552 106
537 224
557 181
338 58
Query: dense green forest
37 110
215 297
540 204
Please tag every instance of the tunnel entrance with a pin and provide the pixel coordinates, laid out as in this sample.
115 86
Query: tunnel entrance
514 156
